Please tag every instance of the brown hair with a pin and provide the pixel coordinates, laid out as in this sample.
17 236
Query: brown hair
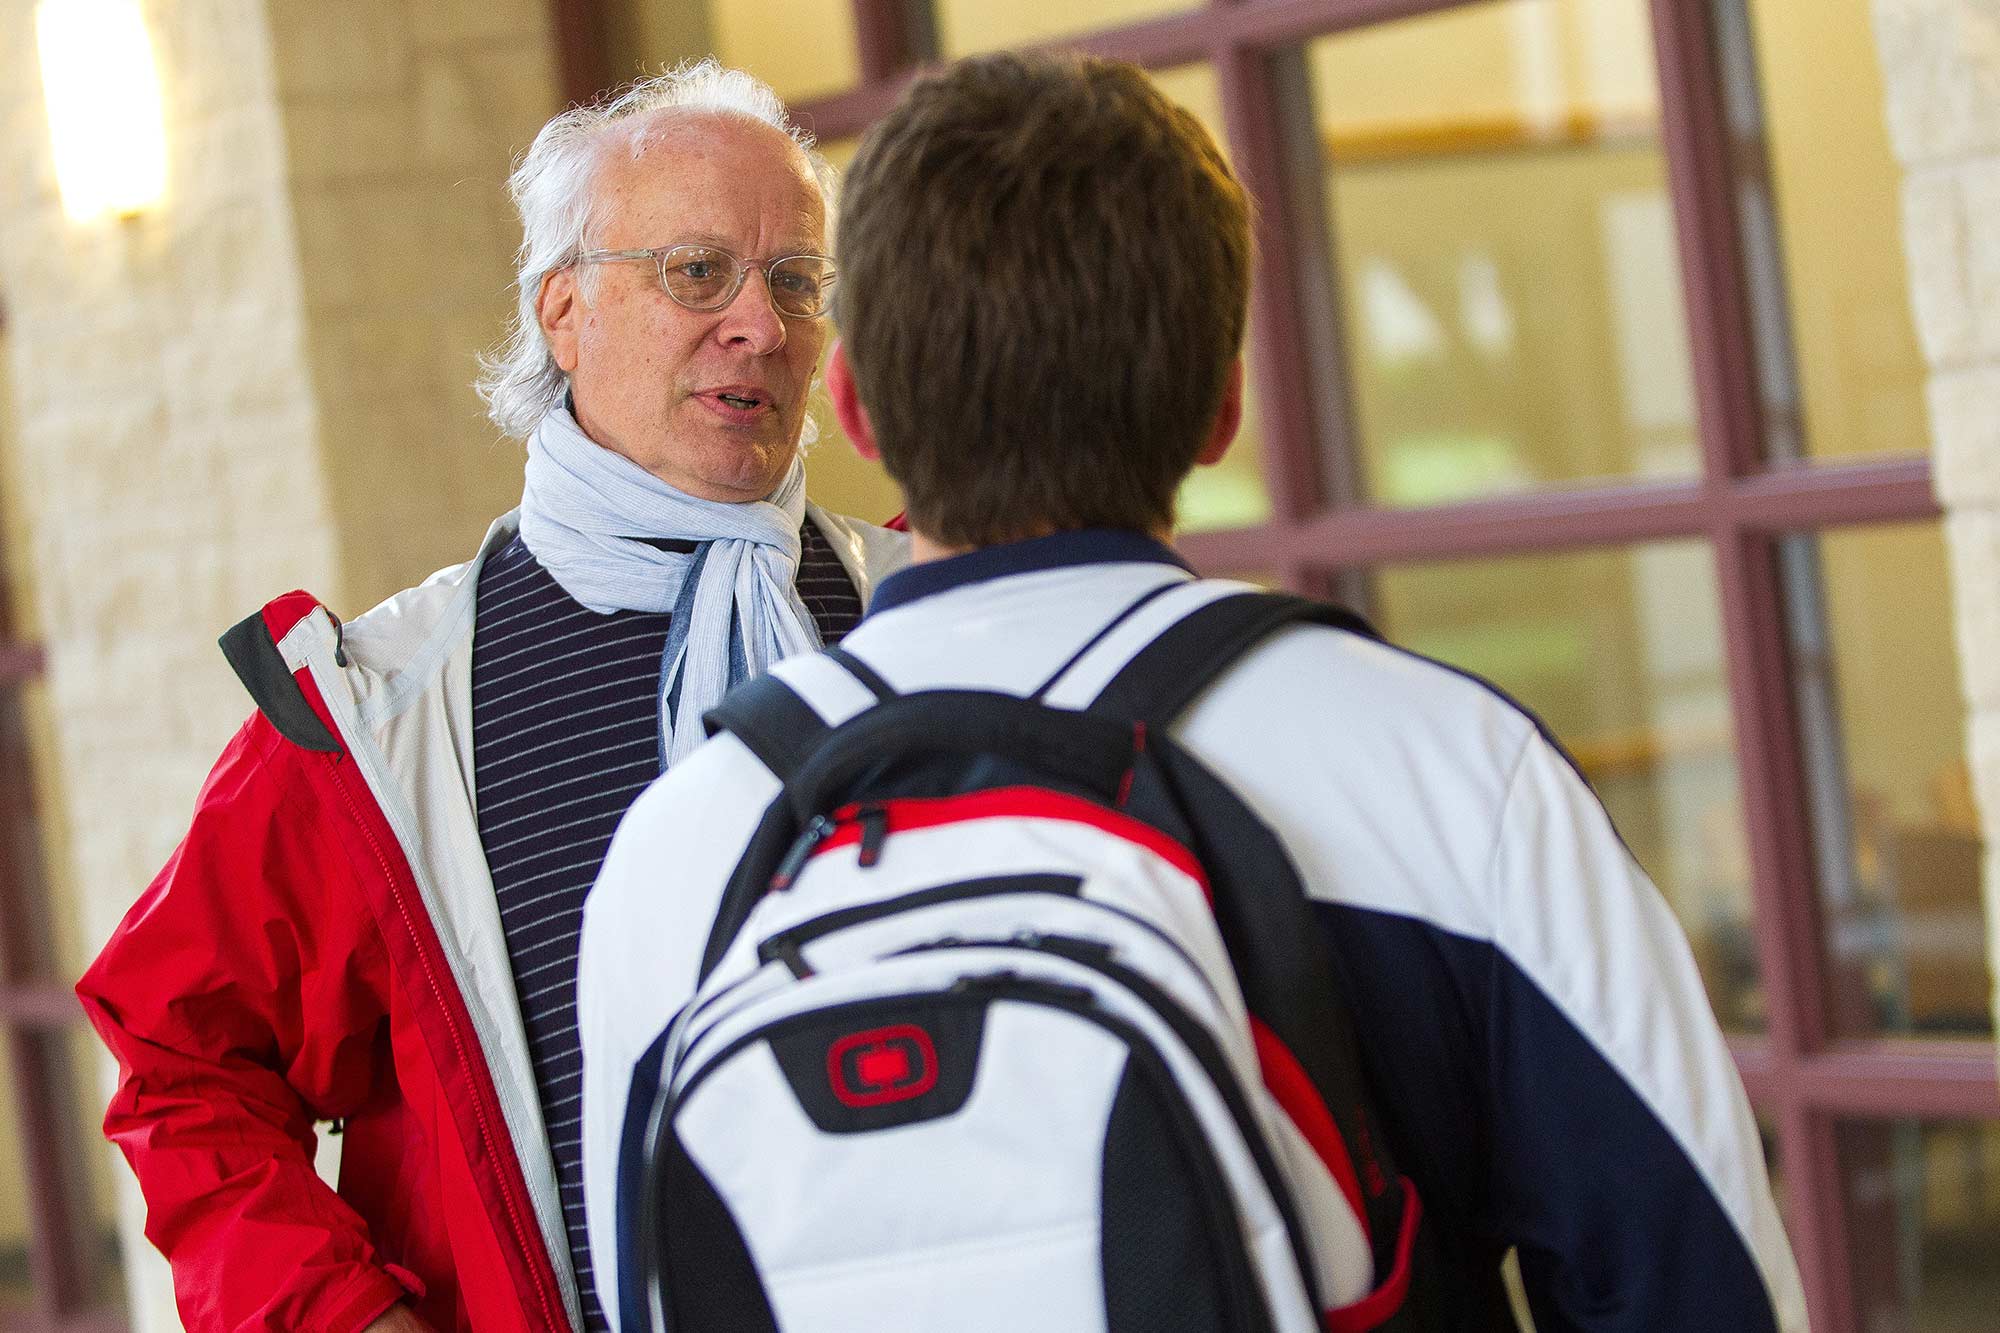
1044 267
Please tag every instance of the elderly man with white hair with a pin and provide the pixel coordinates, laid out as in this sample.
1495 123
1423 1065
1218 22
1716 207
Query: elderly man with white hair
373 918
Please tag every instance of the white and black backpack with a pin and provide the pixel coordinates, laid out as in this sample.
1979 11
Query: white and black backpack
1013 1017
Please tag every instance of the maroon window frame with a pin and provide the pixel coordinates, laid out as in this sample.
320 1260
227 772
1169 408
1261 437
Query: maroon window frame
38 1015
1800 1074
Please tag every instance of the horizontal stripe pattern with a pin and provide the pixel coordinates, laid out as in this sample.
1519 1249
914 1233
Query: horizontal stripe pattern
565 736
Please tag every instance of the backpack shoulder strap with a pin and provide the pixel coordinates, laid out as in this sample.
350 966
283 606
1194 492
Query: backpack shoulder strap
862 672
773 720
1162 678
778 723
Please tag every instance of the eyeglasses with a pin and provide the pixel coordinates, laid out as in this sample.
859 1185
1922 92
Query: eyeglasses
704 277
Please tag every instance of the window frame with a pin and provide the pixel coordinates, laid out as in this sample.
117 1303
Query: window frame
37 1013
1800 1074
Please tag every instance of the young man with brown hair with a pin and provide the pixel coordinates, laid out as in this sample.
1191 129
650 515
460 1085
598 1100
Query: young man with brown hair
1046 269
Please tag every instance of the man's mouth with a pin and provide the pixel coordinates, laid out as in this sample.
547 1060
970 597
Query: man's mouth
740 398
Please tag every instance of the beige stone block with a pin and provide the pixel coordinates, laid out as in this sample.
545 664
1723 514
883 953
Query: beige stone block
1979 191
359 47
26 154
232 153
1972 539
463 335
427 247
364 246
452 128
1941 72
487 102
480 108
211 54
1934 242
274 477
369 353
457 22
1965 423
1985 758
332 140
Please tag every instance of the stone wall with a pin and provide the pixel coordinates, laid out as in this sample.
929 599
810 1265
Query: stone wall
401 121
264 384
166 460
1941 68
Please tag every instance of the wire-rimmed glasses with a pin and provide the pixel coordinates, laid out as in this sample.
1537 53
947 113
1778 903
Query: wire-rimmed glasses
707 277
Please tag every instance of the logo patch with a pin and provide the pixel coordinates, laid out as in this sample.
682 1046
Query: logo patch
882 1065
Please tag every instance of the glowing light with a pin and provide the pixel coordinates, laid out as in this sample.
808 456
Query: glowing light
103 96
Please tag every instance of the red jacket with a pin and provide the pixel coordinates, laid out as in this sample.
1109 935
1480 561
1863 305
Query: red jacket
325 945
282 969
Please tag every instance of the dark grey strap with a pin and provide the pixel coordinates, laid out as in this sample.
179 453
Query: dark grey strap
1166 675
769 717
862 672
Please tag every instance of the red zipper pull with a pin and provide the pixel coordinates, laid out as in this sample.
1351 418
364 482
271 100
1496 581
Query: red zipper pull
874 830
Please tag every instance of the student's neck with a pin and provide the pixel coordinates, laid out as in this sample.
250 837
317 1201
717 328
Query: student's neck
925 549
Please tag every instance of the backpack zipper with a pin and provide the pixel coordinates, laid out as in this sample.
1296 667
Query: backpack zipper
1242 1303
1200 1043
787 946
801 851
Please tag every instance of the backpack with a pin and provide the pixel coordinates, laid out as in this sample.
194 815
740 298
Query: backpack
1013 1016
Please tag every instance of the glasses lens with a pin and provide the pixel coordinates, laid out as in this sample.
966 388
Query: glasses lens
698 276
800 285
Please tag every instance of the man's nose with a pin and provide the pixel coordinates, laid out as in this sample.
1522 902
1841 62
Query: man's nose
751 318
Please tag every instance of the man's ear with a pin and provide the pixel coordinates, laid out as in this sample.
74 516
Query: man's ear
1227 421
559 310
847 408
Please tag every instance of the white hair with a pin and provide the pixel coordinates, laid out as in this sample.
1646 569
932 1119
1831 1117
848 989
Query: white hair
553 188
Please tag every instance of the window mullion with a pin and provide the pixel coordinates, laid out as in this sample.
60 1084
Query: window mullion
1279 337
55 1260
1787 918
892 36
1701 154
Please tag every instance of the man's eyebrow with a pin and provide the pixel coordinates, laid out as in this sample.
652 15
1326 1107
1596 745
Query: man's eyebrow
716 242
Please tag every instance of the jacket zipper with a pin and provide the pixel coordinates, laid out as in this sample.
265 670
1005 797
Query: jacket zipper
556 1315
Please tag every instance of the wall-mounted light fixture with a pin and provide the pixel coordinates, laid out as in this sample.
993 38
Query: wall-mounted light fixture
103 96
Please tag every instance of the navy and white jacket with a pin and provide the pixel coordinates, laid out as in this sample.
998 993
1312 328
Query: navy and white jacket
1545 1057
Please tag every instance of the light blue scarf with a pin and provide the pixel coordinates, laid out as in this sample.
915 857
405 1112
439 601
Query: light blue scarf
736 608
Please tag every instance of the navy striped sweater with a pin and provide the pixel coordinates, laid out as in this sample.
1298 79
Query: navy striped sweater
564 737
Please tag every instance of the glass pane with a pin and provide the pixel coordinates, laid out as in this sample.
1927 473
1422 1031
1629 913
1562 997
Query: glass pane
836 477
964 26
1620 653
16 1280
1230 494
1923 1215
66 1068
1501 226
1898 838
802 48
1774 1167
99 1165
1826 215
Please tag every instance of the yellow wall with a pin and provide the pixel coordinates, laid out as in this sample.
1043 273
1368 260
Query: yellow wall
1861 372
964 26
802 48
